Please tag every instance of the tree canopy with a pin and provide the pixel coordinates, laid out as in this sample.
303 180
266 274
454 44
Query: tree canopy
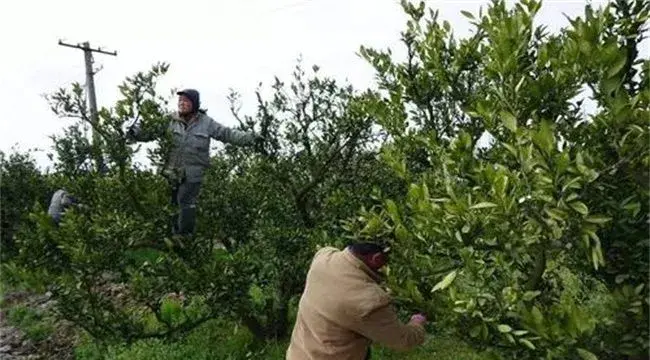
535 246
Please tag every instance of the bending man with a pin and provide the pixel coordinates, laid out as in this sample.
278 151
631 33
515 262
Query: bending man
343 309
61 200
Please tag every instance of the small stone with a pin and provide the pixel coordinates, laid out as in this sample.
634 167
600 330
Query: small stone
5 349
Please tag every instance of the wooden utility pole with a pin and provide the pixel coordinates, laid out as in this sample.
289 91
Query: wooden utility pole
90 83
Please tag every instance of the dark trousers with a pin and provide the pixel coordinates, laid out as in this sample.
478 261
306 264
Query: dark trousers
183 200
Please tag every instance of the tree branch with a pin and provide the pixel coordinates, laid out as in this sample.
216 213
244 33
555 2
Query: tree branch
320 174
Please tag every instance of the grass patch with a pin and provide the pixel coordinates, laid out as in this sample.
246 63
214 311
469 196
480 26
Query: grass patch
140 256
439 348
32 322
223 340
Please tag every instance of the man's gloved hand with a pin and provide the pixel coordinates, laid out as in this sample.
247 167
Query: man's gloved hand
418 319
172 175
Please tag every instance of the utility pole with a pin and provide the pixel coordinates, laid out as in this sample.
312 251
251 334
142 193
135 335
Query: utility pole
90 83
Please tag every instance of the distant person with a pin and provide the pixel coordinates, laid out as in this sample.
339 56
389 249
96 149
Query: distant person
191 129
343 309
60 202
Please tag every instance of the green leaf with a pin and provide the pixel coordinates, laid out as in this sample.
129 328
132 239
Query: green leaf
483 205
634 207
597 219
544 137
571 197
401 233
391 207
610 85
520 332
579 207
444 283
596 257
638 289
169 310
580 163
509 121
475 332
504 328
620 278
538 318
414 191
620 63
373 225
556 214
425 191
586 355
527 343
467 14
510 148
530 295
545 179
546 198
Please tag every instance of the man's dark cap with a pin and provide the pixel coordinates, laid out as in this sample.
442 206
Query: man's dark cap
194 96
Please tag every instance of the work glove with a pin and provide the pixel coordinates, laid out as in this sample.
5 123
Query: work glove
173 176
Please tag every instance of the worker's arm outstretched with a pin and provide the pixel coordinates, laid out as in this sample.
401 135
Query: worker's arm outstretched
384 327
136 133
229 135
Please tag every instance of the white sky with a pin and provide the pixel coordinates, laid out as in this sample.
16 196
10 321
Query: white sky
211 46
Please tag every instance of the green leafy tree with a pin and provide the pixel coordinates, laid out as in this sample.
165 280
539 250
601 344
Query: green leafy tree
534 245
107 264
22 185
508 241
276 208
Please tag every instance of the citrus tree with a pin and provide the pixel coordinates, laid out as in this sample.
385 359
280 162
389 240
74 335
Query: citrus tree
107 264
536 242
21 186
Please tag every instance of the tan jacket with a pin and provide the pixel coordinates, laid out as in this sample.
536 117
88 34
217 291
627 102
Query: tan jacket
343 309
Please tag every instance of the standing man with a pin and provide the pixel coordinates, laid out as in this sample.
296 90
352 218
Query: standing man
191 129
343 309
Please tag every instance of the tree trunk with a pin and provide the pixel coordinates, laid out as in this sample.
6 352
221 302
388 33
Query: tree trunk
535 277
254 326
277 326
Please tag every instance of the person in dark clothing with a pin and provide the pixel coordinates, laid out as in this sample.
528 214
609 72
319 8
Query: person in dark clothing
191 129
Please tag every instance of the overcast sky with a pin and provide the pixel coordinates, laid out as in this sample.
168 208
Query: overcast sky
211 46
